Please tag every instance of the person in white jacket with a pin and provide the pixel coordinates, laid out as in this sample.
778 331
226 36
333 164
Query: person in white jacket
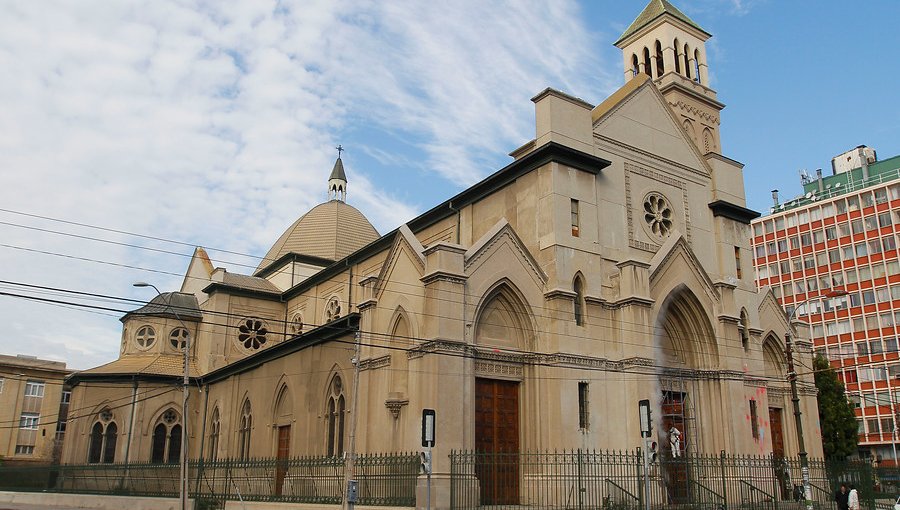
853 499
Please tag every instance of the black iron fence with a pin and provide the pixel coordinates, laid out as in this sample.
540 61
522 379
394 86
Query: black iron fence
581 479
384 479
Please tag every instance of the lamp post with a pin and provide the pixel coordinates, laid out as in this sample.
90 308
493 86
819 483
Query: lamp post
795 398
183 482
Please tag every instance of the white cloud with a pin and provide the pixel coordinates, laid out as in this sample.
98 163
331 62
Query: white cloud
213 123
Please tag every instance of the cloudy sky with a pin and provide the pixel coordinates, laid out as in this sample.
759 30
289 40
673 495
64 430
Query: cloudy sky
132 131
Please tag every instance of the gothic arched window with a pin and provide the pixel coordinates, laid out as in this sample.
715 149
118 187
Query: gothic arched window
214 436
578 287
687 62
104 434
166 446
336 407
244 431
635 67
647 67
660 67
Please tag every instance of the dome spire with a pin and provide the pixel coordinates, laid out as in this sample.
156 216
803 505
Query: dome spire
337 182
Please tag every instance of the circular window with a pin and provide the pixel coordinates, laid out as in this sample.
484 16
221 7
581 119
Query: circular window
145 337
170 416
332 309
297 324
658 215
105 415
252 333
178 338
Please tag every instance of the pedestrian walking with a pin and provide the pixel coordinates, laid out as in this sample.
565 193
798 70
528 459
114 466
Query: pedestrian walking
853 499
841 497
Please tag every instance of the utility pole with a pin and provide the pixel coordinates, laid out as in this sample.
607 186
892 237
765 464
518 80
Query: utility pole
795 398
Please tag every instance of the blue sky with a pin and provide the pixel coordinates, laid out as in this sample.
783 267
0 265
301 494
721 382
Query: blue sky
214 124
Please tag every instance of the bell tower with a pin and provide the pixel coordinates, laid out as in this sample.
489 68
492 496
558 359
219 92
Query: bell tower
666 45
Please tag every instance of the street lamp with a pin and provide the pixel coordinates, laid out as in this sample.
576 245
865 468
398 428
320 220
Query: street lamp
183 482
792 378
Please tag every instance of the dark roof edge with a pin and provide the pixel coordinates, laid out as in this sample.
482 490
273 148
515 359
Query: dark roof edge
294 257
336 328
240 291
78 377
544 154
733 211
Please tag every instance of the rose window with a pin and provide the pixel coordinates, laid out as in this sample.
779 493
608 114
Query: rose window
332 310
252 333
658 215
170 416
145 337
178 338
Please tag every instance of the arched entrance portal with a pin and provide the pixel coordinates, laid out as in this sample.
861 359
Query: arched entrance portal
502 322
685 343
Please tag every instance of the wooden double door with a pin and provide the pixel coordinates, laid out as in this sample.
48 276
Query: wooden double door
497 441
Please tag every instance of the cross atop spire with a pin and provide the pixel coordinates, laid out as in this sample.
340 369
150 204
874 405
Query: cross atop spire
337 182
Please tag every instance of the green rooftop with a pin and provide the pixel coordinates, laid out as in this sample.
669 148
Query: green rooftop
654 10
843 183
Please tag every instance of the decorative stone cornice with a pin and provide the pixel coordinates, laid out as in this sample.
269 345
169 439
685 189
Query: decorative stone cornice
443 276
374 363
558 293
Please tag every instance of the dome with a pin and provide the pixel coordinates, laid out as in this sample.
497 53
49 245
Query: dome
330 231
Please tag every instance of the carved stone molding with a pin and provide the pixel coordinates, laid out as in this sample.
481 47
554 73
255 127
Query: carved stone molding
498 370
394 403
373 363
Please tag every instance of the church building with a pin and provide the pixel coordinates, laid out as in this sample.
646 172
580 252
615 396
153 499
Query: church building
607 263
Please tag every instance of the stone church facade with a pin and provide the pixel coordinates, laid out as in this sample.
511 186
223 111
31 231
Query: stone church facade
609 262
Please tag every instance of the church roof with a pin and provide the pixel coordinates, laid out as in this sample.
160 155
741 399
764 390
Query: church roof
146 364
171 304
338 171
255 283
329 231
655 9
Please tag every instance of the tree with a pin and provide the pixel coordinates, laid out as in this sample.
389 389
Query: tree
839 436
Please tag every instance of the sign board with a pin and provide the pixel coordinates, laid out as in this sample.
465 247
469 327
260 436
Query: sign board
428 427
646 423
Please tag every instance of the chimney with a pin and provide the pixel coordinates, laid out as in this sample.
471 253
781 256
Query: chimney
775 197
819 179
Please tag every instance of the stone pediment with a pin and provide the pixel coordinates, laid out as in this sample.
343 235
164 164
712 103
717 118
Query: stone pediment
405 245
642 120
676 252
502 238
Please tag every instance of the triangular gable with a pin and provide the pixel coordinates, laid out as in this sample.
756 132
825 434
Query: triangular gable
771 314
198 274
674 249
502 233
405 242
639 116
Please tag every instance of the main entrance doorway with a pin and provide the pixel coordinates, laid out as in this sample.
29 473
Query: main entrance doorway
284 451
497 441
779 464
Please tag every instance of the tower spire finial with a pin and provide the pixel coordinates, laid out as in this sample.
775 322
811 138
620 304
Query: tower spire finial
337 182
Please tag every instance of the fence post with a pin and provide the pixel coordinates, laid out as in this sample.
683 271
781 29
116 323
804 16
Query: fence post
580 483
724 480
642 484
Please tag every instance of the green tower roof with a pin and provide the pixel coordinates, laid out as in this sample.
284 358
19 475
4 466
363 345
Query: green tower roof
655 9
